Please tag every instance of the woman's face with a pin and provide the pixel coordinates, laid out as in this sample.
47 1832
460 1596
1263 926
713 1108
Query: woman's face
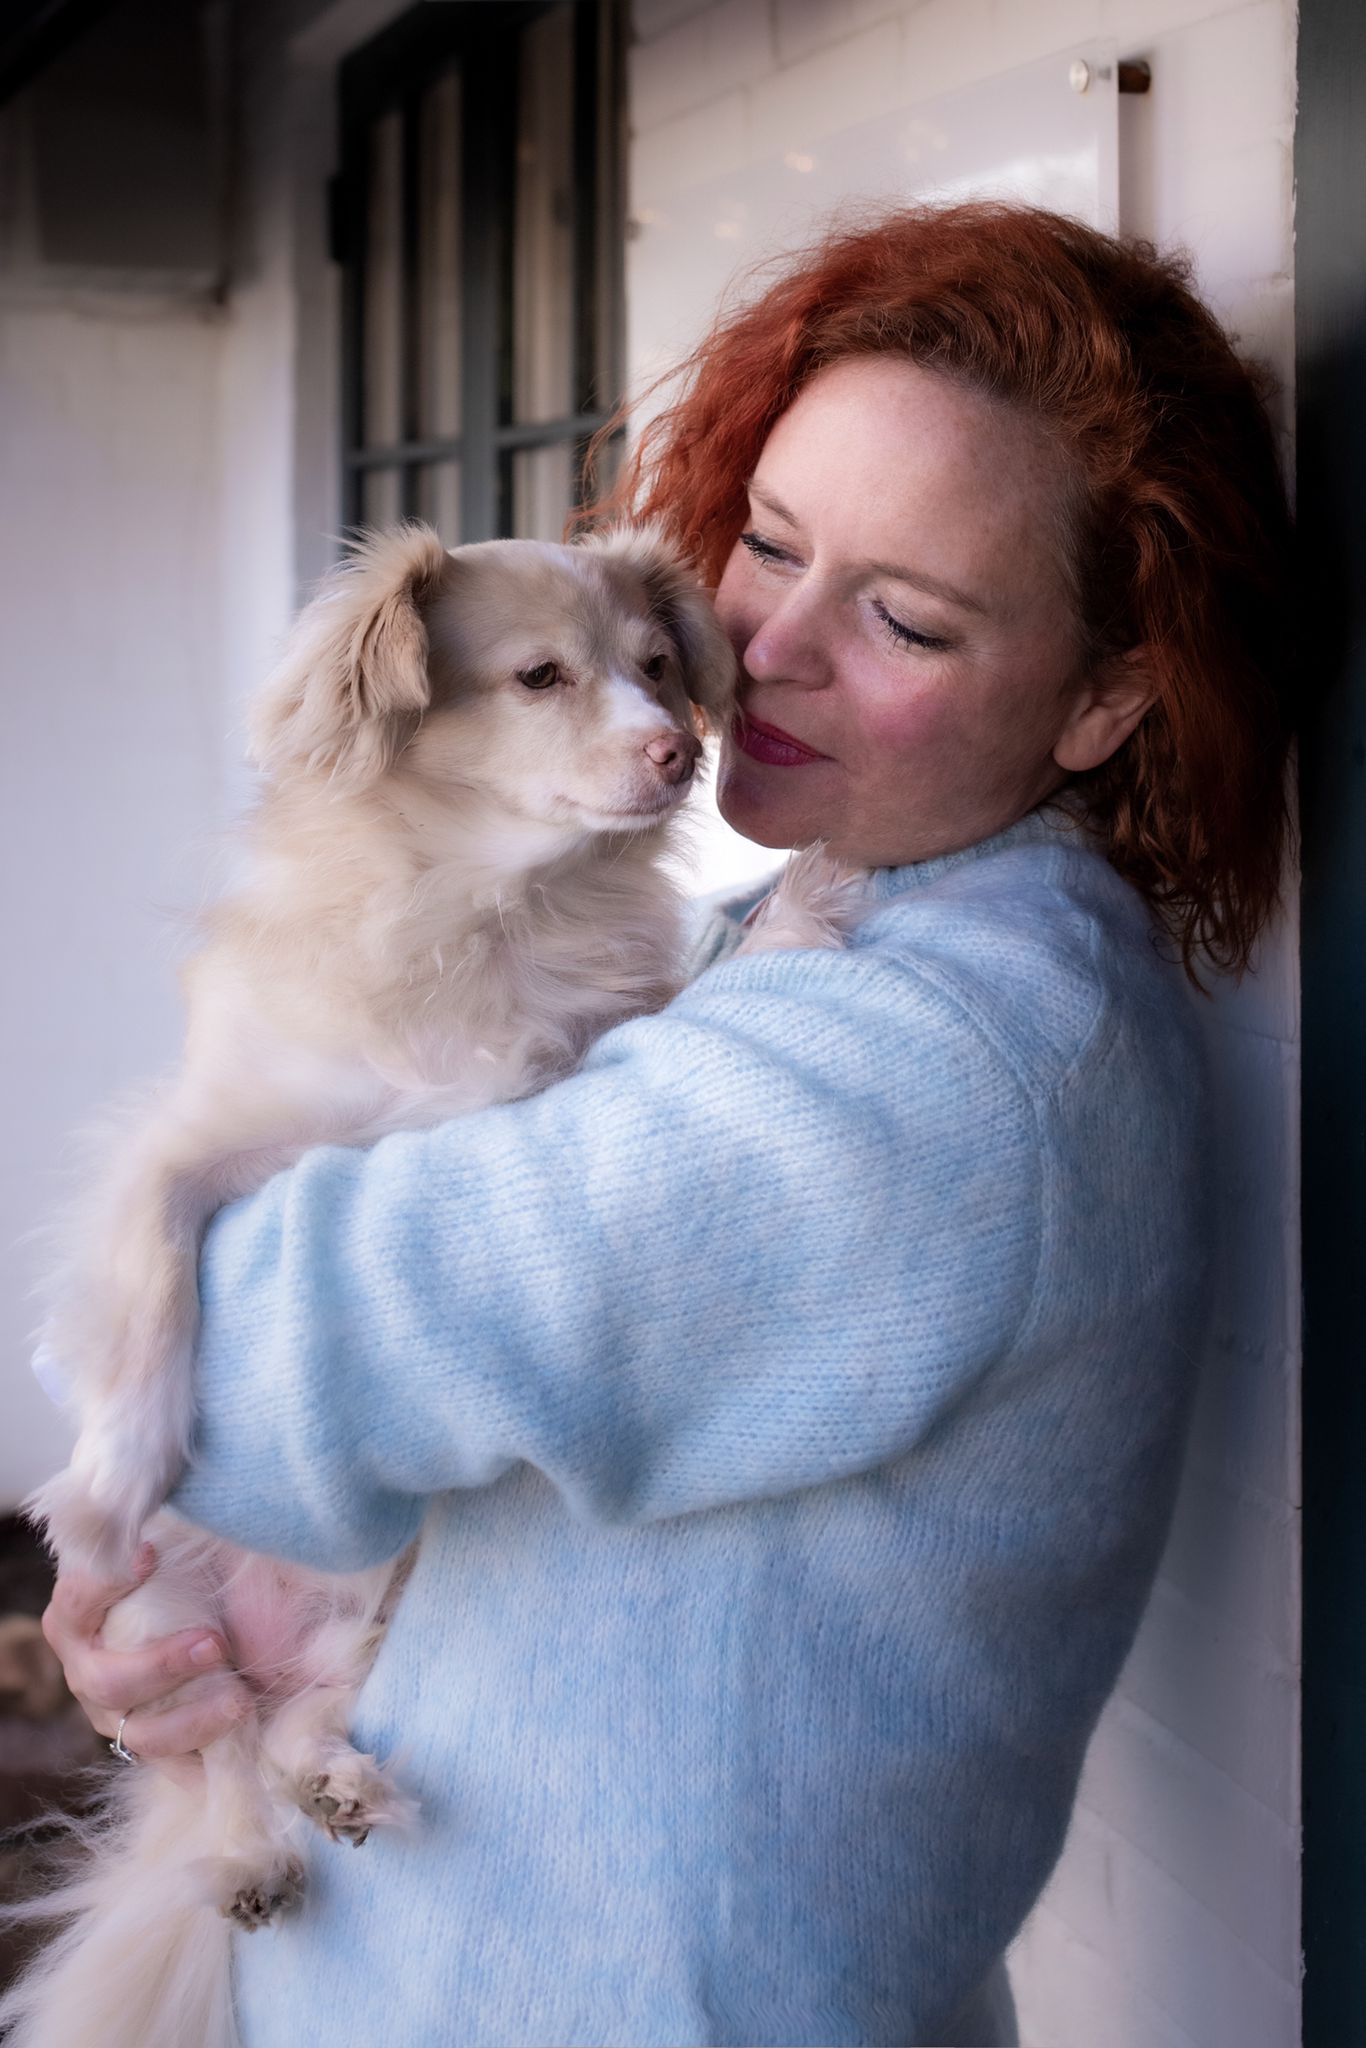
898 604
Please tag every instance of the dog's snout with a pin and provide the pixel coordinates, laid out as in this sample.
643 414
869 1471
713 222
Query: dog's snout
674 754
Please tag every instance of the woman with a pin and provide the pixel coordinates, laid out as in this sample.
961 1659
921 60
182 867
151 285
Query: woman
794 1396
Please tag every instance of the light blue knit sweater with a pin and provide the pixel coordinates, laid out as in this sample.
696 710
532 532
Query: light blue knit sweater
793 1400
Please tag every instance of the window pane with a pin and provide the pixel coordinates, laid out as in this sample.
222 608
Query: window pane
543 264
542 491
383 315
381 497
609 198
438 499
607 463
438 363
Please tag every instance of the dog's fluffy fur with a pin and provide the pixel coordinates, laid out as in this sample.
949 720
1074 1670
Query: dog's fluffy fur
470 762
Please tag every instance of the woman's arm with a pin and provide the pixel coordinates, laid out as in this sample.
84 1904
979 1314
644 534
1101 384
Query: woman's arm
762 1241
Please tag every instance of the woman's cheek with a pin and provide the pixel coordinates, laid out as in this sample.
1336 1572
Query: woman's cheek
909 724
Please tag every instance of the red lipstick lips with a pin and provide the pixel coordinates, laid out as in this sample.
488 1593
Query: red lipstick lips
769 744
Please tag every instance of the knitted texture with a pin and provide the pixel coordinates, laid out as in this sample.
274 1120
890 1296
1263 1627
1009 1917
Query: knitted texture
791 1404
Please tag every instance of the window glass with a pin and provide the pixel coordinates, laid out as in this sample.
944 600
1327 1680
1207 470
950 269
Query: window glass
382 316
381 497
438 499
438 273
543 246
477 220
542 491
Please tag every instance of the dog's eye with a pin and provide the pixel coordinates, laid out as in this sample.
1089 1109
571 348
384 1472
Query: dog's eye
541 677
655 666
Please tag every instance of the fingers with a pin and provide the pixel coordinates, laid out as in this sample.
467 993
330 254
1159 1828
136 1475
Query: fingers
139 1686
148 1690
80 1602
177 1730
122 1681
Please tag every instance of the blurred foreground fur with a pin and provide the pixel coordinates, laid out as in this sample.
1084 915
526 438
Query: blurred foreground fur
46 1744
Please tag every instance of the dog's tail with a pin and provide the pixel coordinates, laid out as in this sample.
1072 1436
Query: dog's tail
142 1957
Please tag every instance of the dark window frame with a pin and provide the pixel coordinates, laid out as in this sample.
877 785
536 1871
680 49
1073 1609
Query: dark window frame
388 74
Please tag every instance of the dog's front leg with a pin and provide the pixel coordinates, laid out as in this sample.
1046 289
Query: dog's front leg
125 1332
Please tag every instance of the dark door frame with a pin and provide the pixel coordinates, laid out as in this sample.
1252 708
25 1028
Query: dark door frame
1330 347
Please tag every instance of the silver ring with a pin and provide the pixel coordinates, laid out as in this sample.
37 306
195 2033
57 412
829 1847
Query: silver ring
125 1756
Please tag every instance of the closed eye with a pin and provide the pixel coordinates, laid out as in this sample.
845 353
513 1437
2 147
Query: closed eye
896 629
904 635
763 550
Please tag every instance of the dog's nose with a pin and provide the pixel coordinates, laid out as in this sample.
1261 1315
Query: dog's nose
674 754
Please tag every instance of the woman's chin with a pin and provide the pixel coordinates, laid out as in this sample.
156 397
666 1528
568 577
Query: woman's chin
757 812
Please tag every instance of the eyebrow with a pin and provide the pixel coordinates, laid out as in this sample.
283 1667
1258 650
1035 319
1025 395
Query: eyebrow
916 579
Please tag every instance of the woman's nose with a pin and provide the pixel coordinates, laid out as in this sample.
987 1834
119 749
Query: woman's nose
788 645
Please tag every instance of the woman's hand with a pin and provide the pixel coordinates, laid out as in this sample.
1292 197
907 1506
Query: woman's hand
140 1687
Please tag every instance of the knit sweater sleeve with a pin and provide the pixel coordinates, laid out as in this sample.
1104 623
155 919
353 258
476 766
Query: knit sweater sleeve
761 1241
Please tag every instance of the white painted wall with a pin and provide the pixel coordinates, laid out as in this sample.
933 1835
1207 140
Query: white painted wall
167 490
109 664
1172 1920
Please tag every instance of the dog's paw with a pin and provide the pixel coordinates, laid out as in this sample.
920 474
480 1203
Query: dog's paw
816 904
350 1797
254 1898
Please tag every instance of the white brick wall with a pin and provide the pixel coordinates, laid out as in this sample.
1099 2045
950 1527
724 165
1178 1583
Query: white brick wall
1172 1920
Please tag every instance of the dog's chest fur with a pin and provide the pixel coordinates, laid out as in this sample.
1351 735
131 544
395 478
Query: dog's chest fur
412 991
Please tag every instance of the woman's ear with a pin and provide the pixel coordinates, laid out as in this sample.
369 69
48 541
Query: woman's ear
686 613
352 684
1112 702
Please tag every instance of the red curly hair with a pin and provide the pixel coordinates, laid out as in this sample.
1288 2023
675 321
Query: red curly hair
1179 531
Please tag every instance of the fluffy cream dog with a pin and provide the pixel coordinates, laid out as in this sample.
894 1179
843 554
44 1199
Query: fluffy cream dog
470 762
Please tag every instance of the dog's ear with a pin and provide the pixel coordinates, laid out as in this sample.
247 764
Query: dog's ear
352 684
685 611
